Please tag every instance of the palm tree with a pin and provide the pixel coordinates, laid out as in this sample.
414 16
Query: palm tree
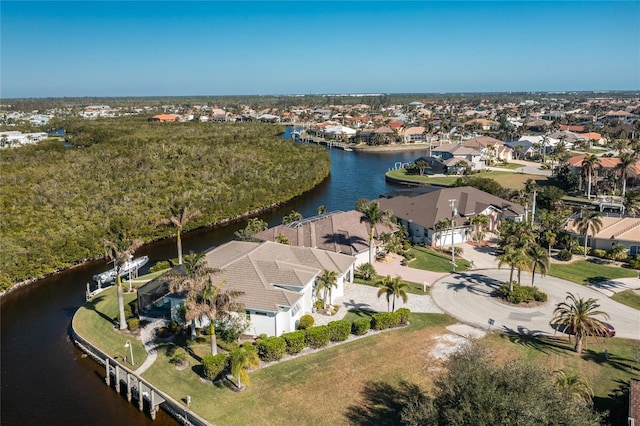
626 168
577 315
291 217
120 250
479 222
322 210
366 271
393 287
240 360
325 283
441 226
179 218
589 164
372 215
539 259
589 221
575 384
550 238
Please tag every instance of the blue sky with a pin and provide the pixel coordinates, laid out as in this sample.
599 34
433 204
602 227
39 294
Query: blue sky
102 48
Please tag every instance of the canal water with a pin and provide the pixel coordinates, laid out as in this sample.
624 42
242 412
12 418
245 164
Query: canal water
45 379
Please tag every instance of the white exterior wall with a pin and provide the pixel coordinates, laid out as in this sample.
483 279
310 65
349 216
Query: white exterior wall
459 236
362 257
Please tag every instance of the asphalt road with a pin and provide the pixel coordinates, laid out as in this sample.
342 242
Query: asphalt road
467 297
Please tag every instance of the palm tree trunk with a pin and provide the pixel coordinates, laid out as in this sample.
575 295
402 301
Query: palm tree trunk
624 186
214 343
586 236
394 303
579 344
589 188
371 250
511 278
179 242
519 271
533 274
193 329
120 291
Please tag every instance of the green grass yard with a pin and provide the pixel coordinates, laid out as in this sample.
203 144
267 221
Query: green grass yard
629 298
584 272
414 288
512 180
431 260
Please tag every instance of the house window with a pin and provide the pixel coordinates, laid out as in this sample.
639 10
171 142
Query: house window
295 310
634 250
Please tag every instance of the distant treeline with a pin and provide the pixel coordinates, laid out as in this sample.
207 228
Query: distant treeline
59 199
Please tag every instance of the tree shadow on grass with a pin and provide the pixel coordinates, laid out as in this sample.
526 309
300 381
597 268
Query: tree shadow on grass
363 313
383 403
611 359
616 404
91 304
597 279
544 344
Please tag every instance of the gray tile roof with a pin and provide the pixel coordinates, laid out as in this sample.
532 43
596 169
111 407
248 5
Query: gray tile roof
427 208
258 269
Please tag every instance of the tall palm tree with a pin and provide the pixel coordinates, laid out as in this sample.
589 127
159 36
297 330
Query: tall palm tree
325 283
120 250
509 257
479 222
441 226
589 164
393 287
550 237
589 221
539 259
626 168
373 215
179 218
240 360
579 316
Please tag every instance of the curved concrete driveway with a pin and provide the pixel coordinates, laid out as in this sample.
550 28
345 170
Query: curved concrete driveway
466 297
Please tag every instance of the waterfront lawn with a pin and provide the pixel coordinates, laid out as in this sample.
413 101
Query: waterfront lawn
93 321
414 288
584 272
318 388
432 260
605 375
629 298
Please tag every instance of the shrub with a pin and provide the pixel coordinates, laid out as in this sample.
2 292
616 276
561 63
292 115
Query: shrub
306 321
318 336
578 250
598 252
539 296
271 348
384 320
179 357
404 314
319 304
565 255
617 252
408 255
522 294
214 365
295 341
133 324
361 326
160 266
635 262
227 346
366 271
339 330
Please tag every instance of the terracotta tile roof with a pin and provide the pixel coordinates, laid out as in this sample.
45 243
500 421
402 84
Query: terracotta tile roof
414 130
605 162
383 130
625 228
572 128
592 135
483 141
261 270
396 124
165 117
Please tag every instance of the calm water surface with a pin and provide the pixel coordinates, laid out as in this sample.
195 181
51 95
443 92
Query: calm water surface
45 380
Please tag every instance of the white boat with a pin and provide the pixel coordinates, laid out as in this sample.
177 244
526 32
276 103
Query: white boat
129 268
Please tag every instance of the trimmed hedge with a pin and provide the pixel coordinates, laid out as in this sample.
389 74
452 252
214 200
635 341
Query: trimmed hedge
384 320
361 326
133 324
271 348
404 314
214 365
339 330
522 294
306 321
295 341
318 336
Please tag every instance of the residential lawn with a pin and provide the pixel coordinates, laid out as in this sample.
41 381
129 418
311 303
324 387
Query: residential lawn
414 288
300 390
628 297
432 260
606 376
512 180
510 166
93 321
584 272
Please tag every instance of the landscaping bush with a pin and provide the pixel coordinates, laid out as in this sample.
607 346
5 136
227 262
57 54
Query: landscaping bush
539 296
214 365
133 324
361 326
227 346
384 320
179 357
404 314
160 266
319 304
522 294
318 336
598 252
271 348
366 271
635 262
565 255
295 341
306 321
339 330
578 250
617 252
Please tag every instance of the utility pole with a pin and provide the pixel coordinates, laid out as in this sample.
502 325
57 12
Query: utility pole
454 212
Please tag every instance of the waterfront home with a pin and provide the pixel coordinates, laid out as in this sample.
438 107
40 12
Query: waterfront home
607 166
451 154
278 282
338 232
413 134
419 210
492 149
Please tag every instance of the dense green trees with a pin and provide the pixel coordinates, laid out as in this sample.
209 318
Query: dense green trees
57 201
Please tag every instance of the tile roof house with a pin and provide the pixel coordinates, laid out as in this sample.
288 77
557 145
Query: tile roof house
420 210
338 232
452 153
615 230
491 148
164 117
278 281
